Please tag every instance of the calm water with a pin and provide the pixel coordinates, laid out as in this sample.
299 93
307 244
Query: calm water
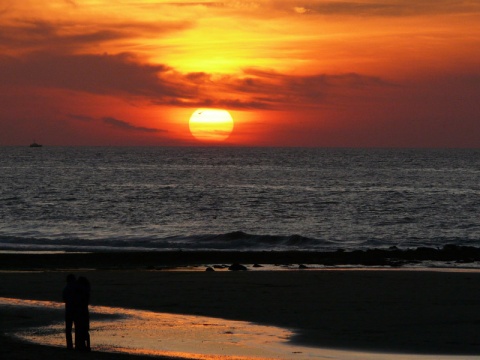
83 198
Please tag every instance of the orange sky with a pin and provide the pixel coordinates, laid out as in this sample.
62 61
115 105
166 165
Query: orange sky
391 73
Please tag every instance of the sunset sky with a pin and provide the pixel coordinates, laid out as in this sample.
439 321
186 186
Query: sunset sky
358 73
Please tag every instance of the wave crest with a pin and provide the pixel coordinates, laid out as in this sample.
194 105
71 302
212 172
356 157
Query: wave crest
232 241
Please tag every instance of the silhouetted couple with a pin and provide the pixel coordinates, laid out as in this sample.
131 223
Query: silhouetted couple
76 296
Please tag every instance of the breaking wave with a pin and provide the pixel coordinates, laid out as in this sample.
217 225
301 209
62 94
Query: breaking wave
232 241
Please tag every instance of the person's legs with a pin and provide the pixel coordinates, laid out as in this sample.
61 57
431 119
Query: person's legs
81 333
68 331
79 339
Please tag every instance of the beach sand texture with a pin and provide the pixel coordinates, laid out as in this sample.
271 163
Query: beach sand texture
411 312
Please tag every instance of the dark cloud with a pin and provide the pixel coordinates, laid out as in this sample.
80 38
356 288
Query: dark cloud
123 75
126 76
264 89
290 90
198 77
233 103
98 74
124 125
64 37
119 124
49 57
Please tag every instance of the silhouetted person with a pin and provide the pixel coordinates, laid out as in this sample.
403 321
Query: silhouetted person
82 316
70 299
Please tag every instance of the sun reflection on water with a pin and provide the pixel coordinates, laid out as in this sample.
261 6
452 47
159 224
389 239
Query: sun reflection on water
185 336
190 337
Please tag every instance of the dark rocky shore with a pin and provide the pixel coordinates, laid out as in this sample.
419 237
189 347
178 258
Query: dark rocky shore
394 257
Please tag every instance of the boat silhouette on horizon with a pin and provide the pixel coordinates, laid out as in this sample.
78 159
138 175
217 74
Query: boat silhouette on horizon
35 144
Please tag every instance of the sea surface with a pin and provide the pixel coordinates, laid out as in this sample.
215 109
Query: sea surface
201 198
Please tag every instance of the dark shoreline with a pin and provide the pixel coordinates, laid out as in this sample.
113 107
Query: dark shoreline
158 260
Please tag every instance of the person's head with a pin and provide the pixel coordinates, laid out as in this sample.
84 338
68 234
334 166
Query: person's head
71 278
82 280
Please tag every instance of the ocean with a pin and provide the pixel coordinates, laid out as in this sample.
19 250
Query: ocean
223 198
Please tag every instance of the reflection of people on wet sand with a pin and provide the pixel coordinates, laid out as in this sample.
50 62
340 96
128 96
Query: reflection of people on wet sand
69 298
82 324
76 296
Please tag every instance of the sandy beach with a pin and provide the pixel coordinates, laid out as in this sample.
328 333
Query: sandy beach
391 311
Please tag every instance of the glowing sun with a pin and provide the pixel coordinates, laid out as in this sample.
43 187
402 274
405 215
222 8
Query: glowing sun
211 124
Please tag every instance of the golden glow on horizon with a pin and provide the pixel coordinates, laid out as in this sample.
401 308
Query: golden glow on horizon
211 124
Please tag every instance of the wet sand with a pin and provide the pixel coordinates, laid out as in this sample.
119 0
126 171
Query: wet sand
394 311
